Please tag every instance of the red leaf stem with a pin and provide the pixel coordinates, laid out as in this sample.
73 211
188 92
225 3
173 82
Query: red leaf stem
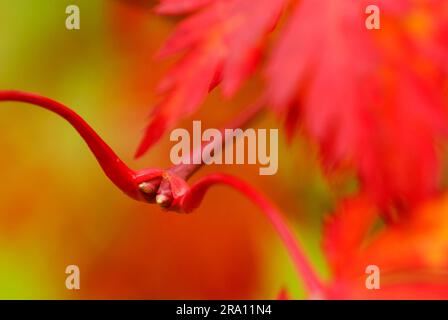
115 169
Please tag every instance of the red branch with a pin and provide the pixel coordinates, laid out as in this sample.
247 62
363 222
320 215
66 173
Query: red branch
143 185
138 184
161 188
115 169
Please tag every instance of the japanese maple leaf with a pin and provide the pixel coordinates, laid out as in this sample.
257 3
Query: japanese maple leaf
222 44
372 99
411 255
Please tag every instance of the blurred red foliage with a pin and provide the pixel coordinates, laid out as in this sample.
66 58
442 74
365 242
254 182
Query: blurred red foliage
412 255
373 100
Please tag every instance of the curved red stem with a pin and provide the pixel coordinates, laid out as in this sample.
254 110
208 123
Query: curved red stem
314 286
117 171
128 181
188 168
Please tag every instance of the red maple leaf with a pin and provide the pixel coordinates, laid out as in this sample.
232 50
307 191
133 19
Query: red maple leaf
372 99
365 98
222 44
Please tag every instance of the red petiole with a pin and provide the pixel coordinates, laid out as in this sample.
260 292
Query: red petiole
116 170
